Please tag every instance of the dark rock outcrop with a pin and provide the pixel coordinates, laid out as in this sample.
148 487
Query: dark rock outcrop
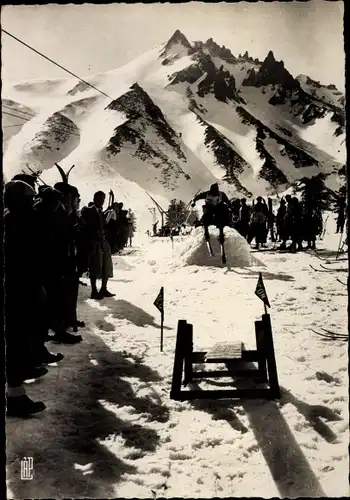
272 72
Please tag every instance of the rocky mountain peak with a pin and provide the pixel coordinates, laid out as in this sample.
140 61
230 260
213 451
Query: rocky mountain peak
272 72
216 51
180 38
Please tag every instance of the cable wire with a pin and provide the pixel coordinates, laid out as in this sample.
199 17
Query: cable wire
80 79
62 125
65 125
55 63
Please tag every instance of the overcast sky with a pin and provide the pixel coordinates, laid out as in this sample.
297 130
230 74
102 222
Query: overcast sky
88 39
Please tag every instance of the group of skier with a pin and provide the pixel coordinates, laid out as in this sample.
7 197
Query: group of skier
48 245
120 227
294 220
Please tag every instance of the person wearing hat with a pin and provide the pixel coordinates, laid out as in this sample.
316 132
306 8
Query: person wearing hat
23 295
217 206
281 220
258 222
100 258
244 217
27 178
52 219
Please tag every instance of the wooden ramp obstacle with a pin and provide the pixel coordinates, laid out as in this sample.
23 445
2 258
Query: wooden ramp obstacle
262 365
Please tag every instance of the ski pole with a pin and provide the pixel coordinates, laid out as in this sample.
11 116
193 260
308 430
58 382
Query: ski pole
36 175
324 229
340 246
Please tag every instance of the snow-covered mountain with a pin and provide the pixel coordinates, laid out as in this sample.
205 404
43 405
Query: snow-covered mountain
178 118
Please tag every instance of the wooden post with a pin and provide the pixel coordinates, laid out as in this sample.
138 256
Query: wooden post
188 349
261 349
175 392
161 329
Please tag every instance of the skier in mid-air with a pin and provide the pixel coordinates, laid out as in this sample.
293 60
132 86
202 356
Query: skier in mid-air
217 212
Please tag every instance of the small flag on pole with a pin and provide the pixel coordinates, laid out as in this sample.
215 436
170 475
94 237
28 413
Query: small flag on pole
261 292
159 302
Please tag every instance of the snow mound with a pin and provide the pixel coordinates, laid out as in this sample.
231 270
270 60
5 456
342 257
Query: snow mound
196 253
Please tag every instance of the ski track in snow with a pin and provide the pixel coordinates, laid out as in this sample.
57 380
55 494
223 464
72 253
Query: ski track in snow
110 429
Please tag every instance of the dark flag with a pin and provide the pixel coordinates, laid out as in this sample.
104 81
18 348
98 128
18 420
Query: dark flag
261 292
159 302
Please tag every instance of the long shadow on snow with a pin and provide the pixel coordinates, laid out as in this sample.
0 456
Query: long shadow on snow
117 308
65 438
288 465
219 410
313 414
122 309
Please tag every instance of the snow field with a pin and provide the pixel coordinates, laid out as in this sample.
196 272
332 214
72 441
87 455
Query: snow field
112 428
195 252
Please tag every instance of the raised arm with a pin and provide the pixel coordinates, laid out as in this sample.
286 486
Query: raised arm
200 196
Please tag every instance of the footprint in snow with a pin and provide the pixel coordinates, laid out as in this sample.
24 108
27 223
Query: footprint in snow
327 378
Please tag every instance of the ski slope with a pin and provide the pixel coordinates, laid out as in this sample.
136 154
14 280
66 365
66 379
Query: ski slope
110 429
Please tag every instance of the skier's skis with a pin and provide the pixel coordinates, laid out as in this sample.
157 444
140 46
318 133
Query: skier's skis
222 244
334 333
328 336
223 253
341 282
333 270
210 250
328 259
319 270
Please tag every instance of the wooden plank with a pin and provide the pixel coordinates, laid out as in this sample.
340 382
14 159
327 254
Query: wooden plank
199 357
261 348
227 394
225 350
178 361
255 374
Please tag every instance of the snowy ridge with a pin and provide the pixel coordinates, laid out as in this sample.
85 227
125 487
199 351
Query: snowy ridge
203 115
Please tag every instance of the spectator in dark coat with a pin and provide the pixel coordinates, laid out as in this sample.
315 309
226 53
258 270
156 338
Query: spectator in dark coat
100 259
244 217
281 222
341 214
53 220
23 296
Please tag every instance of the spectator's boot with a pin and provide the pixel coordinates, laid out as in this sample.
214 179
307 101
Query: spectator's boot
65 337
105 293
96 295
46 357
23 406
35 372
79 324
